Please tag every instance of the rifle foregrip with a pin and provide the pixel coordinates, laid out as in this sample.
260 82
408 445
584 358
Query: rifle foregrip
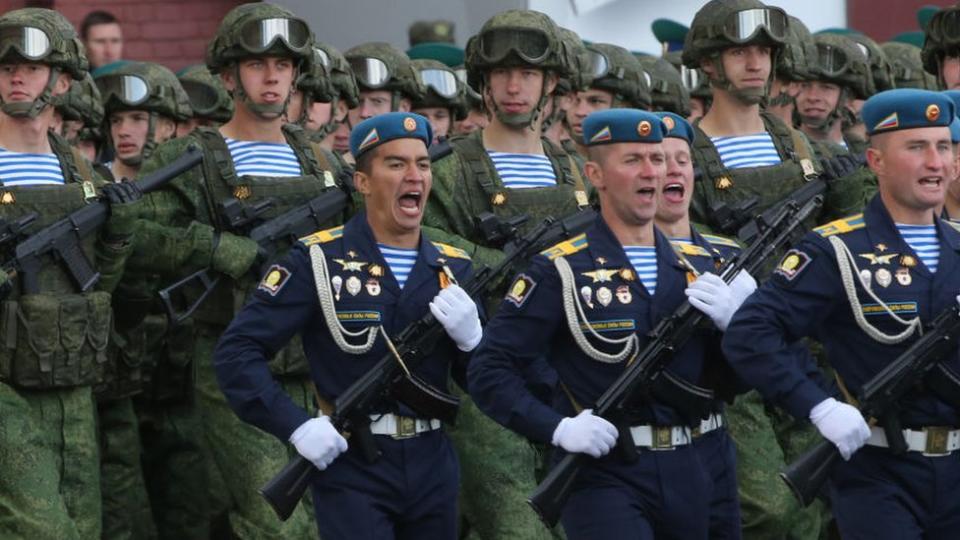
806 476
551 495
284 491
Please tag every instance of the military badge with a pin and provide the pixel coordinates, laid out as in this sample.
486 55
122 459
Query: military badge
601 275
7 197
276 277
337 283
350 266
604 296
903 276
908 261
353 285
878 259
793 262
499 199
933 112
587 293
643 128
623 294
241 192
373 287
627 274
409 124
866 277
520 290
884 277
376 270
724 183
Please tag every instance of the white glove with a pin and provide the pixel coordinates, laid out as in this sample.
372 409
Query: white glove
958 299
714 298
586 434
318 441
457 312
841 424
742 287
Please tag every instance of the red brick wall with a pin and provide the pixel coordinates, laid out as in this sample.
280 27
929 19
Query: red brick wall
174 33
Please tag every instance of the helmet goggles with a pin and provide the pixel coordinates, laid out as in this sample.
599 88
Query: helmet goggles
531 45
370 72
29 42
260 35
743 26
131 90
443 82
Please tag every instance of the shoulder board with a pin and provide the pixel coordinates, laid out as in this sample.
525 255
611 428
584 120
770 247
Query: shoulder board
691 249
720 240
440 150
322 237
567 247
450 251
841 226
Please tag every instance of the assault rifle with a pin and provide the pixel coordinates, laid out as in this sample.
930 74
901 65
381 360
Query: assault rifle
648 366
270 236
879 401
390 377
62 240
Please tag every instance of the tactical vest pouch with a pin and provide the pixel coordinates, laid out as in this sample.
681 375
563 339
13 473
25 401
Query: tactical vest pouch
123 374
55 341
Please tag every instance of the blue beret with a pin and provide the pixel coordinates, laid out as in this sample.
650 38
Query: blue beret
375 131
622 125
907 108
676 126
955 131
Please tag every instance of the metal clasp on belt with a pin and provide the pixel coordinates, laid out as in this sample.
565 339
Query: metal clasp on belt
406 427
662 438
937 438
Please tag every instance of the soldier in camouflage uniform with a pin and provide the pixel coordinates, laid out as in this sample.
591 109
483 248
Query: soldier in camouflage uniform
333 133
795 64
906 66
612 78
738 58
842 74
444 101
854 132
82 114
55 336
257 52
209 100
387 82
941 47
514 62
143 103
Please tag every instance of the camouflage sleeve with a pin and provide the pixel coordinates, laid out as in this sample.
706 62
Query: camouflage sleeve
450 207
480 255
110 258
846 195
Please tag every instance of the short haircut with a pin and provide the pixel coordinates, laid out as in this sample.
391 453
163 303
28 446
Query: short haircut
365 160
95 18
597 153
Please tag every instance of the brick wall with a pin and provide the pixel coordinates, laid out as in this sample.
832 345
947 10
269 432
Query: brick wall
174 33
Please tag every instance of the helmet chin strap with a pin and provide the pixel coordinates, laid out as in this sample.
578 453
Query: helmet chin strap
32 109
746 96
519 120
824 125
267 111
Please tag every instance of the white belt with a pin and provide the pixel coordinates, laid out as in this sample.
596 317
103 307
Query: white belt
401 427
708 424
932 441
661 437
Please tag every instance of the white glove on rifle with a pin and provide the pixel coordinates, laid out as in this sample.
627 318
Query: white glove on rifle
841 424
585 434
742 287
714 298
318 441
457 312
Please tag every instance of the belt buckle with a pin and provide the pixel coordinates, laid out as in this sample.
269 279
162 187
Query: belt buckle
662 438
937 438
406 427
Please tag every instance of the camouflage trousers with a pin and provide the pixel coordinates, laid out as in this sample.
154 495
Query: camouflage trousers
497 474
175 468
766 440
126 507
49 469
245 457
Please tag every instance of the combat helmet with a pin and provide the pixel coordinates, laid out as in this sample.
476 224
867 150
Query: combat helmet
798 58
46 37
618 71
906 66
694 80
942 39
879 65
144 86
516 38
208 98
82 104
381 66
721 24
258 30
842 62
443 88
343 86
667 90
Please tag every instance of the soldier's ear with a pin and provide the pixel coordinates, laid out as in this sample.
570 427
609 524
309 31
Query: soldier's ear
594 173
361 182
550 83
875 159
62 85
404 105
226 77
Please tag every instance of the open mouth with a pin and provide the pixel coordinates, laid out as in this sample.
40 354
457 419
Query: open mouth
673 192
931 181
647 193
410 203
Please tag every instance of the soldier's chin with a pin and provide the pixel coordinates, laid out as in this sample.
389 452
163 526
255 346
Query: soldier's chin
750 96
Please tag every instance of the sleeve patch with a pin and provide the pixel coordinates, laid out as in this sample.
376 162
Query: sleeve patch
450 251
277 276
520 290
793 262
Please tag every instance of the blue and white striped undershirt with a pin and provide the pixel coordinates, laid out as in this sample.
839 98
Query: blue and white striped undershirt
29 169
520 171
756 150
263 158
400 261
644 261
923 240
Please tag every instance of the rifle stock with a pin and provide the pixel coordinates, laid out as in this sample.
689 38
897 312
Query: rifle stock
351 408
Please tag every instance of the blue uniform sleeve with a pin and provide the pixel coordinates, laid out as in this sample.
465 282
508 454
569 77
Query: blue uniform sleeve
519 333
281 306
762 341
